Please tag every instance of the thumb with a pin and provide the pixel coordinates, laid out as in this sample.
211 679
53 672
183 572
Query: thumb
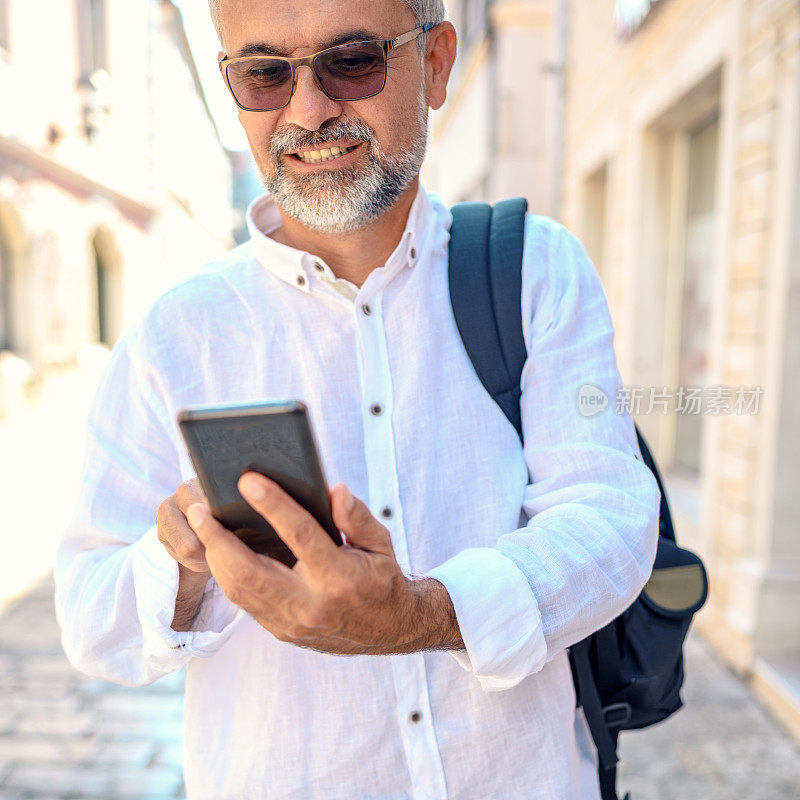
353 517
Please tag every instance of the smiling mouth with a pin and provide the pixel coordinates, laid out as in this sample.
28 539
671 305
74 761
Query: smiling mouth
325 154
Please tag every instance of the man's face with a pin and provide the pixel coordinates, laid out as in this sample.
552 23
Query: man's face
387 132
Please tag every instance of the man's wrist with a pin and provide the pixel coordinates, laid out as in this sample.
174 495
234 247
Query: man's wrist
191 587
433 616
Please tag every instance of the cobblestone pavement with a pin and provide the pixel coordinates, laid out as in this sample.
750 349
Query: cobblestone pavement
63 735
721 746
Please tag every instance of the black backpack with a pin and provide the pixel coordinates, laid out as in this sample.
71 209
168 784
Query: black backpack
628 674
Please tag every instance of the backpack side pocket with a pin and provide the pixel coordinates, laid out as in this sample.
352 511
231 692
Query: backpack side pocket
651 633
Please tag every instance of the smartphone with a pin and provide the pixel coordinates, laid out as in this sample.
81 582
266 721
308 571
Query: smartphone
274 439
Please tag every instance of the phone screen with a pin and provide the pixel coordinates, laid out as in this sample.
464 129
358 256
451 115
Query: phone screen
274 439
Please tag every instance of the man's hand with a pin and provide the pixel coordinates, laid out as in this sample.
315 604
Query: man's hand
181 542
348 600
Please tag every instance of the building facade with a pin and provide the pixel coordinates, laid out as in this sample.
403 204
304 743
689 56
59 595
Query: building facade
494 136
666 135
113 181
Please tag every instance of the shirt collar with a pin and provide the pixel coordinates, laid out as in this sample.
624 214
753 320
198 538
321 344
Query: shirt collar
302 269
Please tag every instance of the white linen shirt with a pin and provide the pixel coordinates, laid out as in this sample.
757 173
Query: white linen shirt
537 547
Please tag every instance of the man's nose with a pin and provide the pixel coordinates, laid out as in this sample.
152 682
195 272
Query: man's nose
309 106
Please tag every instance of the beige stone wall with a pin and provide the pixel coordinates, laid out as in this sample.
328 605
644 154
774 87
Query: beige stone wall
489 139
629 103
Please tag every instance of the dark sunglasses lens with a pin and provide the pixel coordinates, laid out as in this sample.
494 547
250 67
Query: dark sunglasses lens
352 71
262 84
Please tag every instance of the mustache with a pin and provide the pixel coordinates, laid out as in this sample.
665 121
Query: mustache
293 137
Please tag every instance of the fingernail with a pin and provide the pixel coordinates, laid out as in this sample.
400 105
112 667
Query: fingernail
196 514
254 487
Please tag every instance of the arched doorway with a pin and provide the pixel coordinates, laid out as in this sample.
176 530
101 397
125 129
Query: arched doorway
6 319
108 286
11 300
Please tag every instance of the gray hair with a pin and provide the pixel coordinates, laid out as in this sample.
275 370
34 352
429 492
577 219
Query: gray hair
426 12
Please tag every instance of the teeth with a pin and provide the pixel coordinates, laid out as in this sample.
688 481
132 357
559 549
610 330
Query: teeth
325 154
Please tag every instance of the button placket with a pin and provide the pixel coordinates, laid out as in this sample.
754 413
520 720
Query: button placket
409 673
415 721
376 390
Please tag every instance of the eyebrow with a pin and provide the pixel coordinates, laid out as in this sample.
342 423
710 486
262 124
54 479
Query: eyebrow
265 49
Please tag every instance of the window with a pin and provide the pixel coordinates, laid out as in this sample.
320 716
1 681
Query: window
5 26
470 18
595 217
6 342
476 11
92 39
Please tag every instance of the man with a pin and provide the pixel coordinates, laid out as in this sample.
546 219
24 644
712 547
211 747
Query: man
426 658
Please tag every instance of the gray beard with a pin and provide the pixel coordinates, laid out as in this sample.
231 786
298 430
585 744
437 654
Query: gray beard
346 199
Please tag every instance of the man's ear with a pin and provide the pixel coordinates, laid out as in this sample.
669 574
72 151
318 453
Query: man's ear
222 72
440 53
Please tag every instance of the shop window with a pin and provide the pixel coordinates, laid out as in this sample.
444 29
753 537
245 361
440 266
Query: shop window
696 292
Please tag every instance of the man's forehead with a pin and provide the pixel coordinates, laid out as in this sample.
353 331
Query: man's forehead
271 48
279 27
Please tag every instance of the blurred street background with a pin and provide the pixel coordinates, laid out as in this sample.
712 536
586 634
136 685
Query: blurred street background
68 736
664 133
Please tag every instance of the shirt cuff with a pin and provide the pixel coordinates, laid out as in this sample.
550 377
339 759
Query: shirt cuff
497 614
155 577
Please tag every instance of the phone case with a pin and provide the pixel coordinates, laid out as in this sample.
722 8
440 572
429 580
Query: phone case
274 439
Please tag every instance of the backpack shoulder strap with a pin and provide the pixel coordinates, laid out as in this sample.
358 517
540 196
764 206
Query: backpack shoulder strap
485 275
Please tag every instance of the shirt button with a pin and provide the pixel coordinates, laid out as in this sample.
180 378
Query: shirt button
319 267
366 309
376 409
413 253
415 716
386 512
301 281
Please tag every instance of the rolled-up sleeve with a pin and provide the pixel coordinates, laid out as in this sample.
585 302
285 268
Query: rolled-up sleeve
592 504
115 583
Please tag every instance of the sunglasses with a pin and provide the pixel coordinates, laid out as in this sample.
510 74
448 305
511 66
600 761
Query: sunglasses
351 71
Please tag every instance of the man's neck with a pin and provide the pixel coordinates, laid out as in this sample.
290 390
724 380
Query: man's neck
352 256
